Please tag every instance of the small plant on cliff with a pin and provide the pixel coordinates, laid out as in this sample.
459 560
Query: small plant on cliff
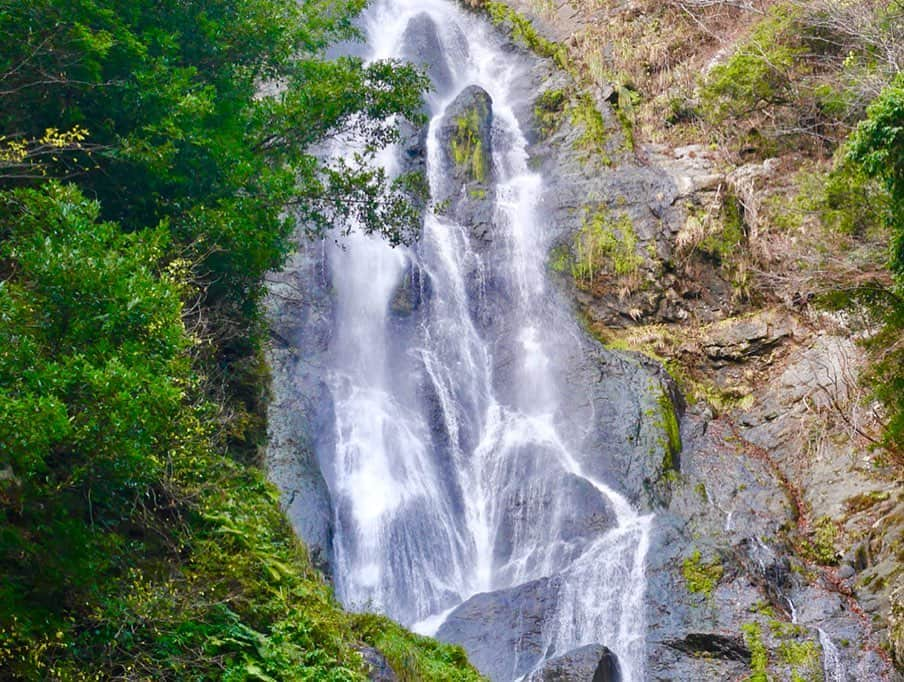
605 243
757 76
585 115
820 547
523 30
701 577
671 438
759 655
548 111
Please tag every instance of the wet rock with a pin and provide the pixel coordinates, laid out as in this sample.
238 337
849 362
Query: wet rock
412 148
378 668
465 140
630 417
412 292
421 45
299 412
580 511
771 568
502 631
591 663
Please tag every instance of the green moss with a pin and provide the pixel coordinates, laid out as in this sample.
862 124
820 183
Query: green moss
523 31
548 111
468 152
701 577
820 545
584 114
804 656
414 658
759 656
605 243
671 440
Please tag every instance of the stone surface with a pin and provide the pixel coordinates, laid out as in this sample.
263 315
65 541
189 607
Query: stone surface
502 631
738 338
421 45
591 663
300 315
378 668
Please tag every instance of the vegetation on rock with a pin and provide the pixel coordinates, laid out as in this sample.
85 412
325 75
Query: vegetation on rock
468 151
701 577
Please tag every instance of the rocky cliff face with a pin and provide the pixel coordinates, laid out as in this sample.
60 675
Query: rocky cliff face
776 533
778 527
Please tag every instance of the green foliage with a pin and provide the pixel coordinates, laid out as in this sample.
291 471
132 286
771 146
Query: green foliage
701 577
186 127
129 540
137 541
845 199
468 151
523 30
757 75
605 243
548 111
877 147
759 656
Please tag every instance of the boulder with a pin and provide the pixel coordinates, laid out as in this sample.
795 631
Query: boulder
502 631
421 45
465 140
739 338
590 663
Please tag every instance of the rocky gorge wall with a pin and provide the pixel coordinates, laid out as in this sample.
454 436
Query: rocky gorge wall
768 553
779 532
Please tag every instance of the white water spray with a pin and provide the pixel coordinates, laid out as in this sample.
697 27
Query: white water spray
450 476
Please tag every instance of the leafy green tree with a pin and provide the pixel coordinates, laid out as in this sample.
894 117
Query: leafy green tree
206 115
93 377
877 145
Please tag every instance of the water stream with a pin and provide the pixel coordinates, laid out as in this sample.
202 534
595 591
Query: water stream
450 471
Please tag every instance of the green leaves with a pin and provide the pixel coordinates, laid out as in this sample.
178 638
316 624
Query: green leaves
877 146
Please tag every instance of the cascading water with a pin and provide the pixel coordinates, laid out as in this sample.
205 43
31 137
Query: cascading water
450 472
832 664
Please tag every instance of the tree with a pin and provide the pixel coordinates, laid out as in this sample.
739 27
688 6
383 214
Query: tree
877 145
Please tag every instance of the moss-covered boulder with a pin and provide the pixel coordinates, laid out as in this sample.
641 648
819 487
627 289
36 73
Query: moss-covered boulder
466 153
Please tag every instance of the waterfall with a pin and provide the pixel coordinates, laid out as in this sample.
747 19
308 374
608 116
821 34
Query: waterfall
449 468
832 664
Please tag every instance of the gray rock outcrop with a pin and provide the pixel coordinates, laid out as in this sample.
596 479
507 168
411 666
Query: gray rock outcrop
591 663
